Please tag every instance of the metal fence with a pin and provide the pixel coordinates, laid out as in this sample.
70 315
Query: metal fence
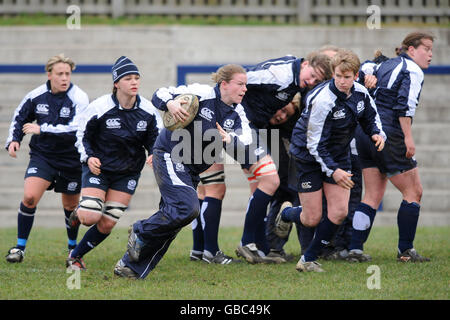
282 11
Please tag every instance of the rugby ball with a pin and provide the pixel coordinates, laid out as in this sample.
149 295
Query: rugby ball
190 105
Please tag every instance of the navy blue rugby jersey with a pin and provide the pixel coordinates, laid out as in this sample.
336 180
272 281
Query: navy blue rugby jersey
327 125
211 110
399 84
271 85
118 136
58 116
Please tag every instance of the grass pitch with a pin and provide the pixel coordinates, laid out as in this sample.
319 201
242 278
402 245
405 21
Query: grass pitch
42 274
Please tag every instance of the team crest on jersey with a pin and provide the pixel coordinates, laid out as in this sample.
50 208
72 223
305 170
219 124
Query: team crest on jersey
72 186
113 123
64 112
141 126
340 114
179 167
360 106
206 113
228 124
132 184
283 96
42 108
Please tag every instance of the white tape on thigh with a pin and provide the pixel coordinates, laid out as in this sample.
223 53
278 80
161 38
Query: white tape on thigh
212 177
92 204
114 210
361 221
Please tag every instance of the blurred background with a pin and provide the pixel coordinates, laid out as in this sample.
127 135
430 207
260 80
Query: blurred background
179 41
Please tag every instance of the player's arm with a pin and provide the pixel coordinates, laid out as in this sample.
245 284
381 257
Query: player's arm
405 123
22 115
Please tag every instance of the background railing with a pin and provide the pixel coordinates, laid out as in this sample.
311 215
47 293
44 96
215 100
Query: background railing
332 12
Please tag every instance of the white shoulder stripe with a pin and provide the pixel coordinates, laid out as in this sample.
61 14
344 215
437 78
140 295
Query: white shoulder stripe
280 75
150 108
416 79
395 73
203 91
246 136
321 107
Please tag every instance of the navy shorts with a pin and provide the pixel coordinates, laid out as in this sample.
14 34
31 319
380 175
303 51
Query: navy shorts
391 160
62 180
310 177
110 180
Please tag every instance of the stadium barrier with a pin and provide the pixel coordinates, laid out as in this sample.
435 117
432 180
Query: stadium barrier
330 12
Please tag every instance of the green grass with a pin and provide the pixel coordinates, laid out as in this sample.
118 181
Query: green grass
42 274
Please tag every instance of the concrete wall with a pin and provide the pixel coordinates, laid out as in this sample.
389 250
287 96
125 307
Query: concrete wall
157 50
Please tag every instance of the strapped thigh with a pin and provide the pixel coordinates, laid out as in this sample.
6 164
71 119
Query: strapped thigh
114 210
92 204
264 167
212 177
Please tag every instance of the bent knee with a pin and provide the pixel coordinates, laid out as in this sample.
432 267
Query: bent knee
309 220
216 191
29 200
269 184
88 218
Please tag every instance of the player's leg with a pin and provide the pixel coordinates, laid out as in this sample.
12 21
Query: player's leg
254 225
115 205
196 252
68 183
337 203
70 203
213 181
150 238
34 188
89 213
374 187
408 214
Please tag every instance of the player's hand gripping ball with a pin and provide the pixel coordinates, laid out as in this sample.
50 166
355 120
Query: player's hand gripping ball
188 102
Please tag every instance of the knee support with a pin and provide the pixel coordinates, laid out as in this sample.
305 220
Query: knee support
114 210
92 204
212 177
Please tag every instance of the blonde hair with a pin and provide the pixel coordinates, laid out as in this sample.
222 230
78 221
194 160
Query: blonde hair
57 59
226 72
347 60
296 101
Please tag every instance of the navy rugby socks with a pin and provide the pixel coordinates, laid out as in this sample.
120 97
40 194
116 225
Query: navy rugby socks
407 218
72 233
197 231
256 212
211 216
362 224
91 239
291 214
25 218
324 233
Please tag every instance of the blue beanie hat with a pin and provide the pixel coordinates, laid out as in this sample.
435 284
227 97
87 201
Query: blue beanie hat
122 67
